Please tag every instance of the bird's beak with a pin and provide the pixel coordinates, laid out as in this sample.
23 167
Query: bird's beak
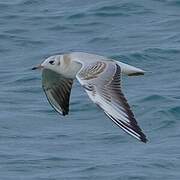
38 67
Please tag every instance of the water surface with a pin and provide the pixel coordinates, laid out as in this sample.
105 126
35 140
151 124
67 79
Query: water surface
38 144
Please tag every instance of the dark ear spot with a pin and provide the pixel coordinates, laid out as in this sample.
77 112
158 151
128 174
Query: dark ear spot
67 59
59 63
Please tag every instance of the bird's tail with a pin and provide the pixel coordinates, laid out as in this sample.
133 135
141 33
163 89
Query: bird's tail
130 70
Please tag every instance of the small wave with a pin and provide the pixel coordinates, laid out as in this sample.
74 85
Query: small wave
170 50
7 36
109 14
83 107
162 51
82 31
109 8
100 167
19 39
26 41
175 3
168 23
58 27
77 16
25 79
15 31
165 124
40 160
151 54
174 37
175 111
154 98
30 2
3 6
4 50
90 24
11 17
16 137
40 19
166 117
110 138
44 111
123 9
163 164
99 39
25 90
90 168
120 7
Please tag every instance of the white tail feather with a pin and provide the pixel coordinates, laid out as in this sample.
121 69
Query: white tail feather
130 70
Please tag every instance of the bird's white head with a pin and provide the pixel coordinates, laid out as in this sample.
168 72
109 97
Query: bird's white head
61 64
53 63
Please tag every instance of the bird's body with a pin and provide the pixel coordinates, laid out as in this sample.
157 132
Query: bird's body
101 79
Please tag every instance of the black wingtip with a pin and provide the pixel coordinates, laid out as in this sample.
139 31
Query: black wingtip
143 138
136 74
64 113
34 68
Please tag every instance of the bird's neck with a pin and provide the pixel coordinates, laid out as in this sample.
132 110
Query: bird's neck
70 68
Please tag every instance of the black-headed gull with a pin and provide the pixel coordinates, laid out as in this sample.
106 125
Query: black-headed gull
101 79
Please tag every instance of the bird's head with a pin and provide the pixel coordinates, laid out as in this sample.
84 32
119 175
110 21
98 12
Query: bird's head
53 63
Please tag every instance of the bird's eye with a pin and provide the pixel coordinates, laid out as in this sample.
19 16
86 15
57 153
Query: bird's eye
51 62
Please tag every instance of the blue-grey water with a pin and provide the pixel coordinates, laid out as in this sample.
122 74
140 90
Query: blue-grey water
38 144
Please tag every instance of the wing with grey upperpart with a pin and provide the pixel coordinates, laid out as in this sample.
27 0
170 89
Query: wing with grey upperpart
57 89
102 82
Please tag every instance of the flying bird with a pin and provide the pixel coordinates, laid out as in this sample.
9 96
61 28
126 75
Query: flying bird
101 79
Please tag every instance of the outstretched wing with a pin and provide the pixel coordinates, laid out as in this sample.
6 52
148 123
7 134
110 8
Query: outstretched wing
102 82
57 89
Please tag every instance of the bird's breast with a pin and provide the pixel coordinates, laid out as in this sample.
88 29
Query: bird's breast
70 70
